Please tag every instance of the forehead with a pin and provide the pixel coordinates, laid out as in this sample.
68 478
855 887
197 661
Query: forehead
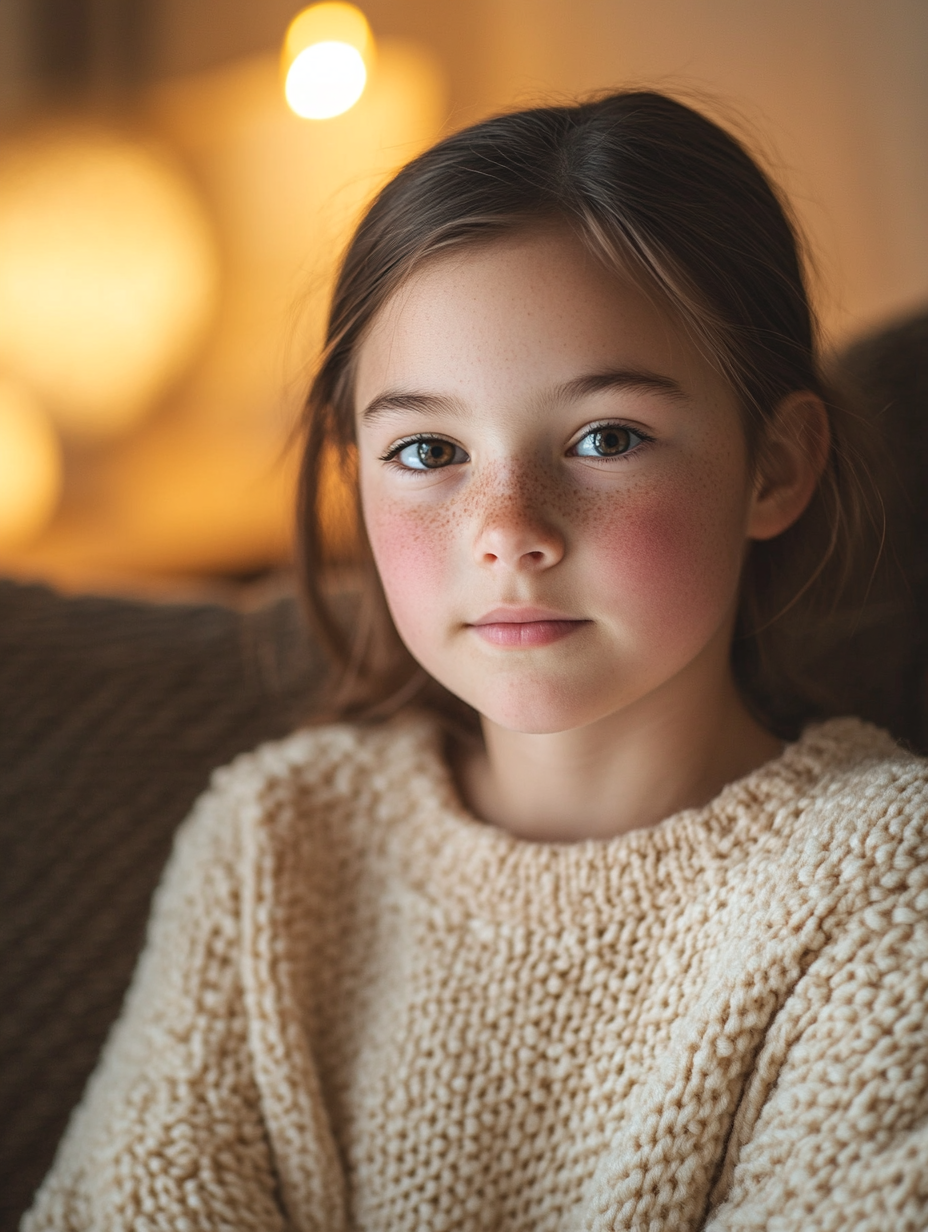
527 310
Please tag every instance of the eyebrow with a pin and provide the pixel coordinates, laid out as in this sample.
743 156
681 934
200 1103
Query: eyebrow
579 387
621 378
399 400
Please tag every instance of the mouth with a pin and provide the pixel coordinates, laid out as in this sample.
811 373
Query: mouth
525 627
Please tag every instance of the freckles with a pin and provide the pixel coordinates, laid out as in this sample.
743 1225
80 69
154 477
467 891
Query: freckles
533 492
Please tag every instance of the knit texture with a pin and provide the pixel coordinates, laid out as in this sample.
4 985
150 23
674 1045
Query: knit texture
360 1008
113 714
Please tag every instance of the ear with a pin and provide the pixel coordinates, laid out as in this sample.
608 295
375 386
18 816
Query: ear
792 456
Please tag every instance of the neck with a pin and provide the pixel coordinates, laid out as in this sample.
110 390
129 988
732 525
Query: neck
673 750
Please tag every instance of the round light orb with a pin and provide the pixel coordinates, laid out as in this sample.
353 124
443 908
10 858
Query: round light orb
30 466
108 275
333 21
325 80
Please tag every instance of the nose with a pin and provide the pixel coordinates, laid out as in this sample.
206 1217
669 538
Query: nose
517 530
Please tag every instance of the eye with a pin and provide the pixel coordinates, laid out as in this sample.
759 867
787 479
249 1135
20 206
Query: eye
427 453
607 441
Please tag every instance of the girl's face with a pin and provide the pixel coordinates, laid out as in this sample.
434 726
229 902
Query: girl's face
555 484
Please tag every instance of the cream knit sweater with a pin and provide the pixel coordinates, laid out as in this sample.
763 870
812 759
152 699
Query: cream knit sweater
361 1008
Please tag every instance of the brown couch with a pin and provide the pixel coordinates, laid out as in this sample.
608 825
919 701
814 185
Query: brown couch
112 715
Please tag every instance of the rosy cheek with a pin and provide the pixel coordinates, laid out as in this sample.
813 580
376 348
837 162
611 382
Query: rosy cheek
410 548
670 555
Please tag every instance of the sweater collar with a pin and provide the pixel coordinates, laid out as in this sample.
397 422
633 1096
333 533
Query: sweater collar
466 866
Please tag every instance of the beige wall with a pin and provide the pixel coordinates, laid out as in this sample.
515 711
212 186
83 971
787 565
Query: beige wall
834 92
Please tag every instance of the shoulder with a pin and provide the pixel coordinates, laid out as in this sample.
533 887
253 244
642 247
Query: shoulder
837 822
853 777
328 759
314 806
329 773
842 782
852 825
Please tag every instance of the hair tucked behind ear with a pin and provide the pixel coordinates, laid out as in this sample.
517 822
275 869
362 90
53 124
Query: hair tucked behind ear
661 194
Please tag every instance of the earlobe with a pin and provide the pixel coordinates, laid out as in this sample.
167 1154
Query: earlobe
792 458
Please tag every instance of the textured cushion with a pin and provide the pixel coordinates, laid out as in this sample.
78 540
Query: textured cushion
890 372
881 671
112 715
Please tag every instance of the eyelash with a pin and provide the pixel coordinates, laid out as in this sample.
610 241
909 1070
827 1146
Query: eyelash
643 439
395 450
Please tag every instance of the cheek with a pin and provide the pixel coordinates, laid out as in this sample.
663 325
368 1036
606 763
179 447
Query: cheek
411 548
670 557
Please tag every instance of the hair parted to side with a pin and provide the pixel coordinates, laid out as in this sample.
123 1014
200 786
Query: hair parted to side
658 193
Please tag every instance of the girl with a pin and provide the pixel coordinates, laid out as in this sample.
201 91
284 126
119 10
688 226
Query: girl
557 934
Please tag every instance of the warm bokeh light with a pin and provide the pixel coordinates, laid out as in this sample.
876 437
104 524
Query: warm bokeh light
30 466
325 80
331 22
325 55
107 275
205 486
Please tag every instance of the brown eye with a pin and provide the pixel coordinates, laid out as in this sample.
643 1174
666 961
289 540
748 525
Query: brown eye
435 453
429 453
609 441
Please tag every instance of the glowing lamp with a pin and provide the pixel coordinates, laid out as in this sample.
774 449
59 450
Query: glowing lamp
326 51
107 275
30 466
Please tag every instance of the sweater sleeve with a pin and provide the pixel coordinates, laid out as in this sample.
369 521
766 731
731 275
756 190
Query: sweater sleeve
833 1131
169 1134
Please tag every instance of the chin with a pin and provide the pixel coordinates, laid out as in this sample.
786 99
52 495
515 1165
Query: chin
527 726
535 711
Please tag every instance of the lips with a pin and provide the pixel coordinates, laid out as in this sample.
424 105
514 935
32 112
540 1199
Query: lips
525 627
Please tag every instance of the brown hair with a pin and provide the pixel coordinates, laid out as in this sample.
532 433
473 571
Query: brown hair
661 193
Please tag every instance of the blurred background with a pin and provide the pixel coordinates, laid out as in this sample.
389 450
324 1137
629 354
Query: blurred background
177 178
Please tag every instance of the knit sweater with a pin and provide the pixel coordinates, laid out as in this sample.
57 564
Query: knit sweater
361 1008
